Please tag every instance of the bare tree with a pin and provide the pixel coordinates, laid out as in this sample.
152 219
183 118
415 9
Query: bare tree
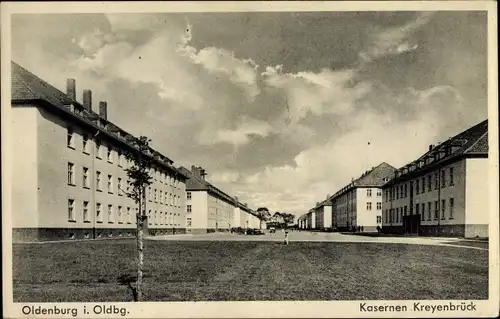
139 179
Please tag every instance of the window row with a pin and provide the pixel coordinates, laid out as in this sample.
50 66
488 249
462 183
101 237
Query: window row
123 215
163 197
426 183
369 206
118 156
122 186
427 211
163 218
369 192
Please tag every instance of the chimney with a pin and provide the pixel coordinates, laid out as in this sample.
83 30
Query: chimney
431 147
71 89
87 99
103 109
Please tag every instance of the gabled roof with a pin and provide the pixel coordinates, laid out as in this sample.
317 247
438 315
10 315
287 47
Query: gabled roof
28 88
376 177
472 142
195 183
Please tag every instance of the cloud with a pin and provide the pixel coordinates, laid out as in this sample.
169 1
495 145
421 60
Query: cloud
238 136
309 93
395 40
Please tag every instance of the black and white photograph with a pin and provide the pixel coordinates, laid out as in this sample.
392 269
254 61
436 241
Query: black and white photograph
193 160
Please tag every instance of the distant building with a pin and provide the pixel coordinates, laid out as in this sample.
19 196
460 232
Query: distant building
68 175
324 214
444 192
209 209
360 202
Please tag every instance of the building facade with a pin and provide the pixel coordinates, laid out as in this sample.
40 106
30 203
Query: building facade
323 215
443 192
359 204
209 209
69 179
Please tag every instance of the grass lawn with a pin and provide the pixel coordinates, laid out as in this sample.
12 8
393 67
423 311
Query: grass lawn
240 270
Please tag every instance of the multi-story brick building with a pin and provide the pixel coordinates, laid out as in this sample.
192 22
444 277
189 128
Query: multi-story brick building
69 179
209 209
443 192
360 202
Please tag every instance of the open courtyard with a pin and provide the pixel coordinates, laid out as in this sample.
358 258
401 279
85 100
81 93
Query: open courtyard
314 266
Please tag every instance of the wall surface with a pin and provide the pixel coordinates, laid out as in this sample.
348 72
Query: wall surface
477 203
25 168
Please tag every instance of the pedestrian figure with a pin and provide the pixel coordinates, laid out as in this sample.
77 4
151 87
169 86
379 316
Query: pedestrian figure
378 229
361 228
286 237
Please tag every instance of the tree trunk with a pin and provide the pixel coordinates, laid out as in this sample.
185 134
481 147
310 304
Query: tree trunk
140 243
140 255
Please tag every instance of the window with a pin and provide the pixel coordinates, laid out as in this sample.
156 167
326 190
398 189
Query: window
150 194
98 181
119 155
120 215
436 209
98 212
160 197
369 206
110 154
85 177
71 174
85 144
98 149
436 180
429 211
452 207
417 207
156 217
443 179
379 219
451 177
161 218
429 183
379 192
417 186
406 189
120 189
401 214
189 208
85 211
188 195
443 208
189 222
406 210
71 210
423 184
156 198
369 193
423 210
149 217
110 214
110 184
71 138
129 216
379 205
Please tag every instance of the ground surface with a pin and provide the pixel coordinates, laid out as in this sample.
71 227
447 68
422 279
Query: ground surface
241 269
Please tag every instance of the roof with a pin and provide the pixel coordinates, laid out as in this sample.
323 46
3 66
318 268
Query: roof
376 177
472 142
195 183
28 88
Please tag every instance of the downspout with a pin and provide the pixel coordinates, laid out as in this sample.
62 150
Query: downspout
94 185
439 203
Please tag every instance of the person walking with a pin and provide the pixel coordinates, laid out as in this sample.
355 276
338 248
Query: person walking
286 237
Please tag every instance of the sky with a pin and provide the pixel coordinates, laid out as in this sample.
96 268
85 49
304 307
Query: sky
280 108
